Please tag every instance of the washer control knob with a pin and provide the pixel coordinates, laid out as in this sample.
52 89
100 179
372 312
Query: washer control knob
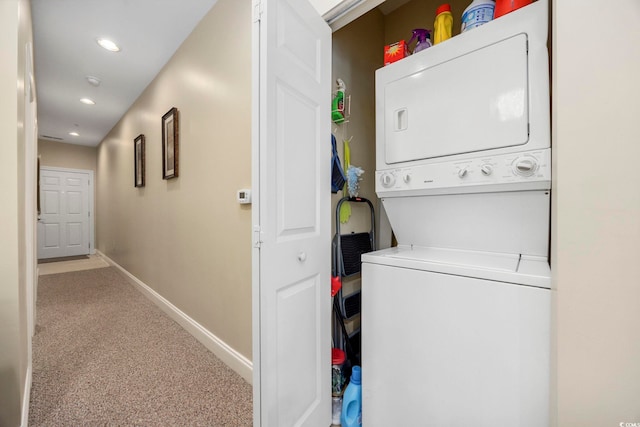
462 172
525 166
387 179
406 177
486 170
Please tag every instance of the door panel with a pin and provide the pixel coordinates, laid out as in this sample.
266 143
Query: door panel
51 235
63 229
74 203
298 212
51 202
292 349
74 237
298 301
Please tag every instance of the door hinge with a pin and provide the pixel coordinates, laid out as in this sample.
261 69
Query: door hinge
257 237
257 10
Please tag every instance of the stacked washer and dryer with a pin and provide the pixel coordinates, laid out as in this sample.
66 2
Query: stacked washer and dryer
456 318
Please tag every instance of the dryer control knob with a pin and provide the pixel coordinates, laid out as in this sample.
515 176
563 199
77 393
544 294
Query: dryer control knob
525 166
387 180
462 172
406 177
486 170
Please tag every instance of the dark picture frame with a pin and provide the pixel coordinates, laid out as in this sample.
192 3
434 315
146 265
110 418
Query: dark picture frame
138 161
170 143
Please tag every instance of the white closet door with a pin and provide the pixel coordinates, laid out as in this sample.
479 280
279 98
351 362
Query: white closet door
292 338
63 228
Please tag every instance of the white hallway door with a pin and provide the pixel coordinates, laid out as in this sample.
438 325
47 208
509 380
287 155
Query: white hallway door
65 217
291 215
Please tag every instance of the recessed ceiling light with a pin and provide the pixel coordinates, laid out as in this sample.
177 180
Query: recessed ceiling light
93 80
87 101
108 44
74 134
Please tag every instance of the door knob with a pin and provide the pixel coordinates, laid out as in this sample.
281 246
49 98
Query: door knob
302 257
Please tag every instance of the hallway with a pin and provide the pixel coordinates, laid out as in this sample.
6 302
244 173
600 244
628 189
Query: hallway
105 355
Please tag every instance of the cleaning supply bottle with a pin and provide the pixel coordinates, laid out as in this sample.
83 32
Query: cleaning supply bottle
337 106
443 25
423 39
505 6
352 401
478 13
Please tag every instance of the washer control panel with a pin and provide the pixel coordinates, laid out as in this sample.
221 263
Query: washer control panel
531 169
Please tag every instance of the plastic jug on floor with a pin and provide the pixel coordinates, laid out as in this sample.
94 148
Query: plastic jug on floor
352 401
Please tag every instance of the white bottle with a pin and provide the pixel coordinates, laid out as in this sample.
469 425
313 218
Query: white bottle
479 12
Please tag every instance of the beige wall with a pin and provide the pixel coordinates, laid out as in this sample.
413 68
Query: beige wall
596 212
187 238
356 55
15 21
71 156
419 14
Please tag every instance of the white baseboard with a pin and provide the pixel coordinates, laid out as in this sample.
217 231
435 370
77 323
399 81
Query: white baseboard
26 398
236 361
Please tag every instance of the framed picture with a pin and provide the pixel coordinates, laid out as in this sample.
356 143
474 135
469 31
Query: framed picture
170 137
138 161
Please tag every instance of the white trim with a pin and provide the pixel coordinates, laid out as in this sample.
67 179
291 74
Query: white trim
26 397
30 218
255 215
92 215
236 361
348 11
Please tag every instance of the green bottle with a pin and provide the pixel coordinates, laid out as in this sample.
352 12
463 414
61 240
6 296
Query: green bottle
337 106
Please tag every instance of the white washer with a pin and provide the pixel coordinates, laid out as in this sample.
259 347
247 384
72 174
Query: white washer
455 338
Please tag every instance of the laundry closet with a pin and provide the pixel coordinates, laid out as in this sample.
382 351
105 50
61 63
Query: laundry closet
457 144
357 52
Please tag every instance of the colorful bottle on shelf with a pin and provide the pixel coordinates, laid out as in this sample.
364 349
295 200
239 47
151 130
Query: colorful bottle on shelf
352 401
422 36
478 13
505 6
443 25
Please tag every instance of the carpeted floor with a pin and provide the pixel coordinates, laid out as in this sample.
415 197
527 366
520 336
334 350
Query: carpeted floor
105 355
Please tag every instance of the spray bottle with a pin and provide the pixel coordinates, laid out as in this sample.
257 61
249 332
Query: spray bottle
337 106
423 39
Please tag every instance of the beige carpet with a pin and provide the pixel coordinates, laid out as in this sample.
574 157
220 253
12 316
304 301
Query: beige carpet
105 355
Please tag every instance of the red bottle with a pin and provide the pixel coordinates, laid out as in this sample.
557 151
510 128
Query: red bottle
505 6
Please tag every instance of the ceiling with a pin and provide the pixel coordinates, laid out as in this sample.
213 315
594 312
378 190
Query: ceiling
66 52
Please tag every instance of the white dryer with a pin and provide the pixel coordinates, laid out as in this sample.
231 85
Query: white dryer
456 318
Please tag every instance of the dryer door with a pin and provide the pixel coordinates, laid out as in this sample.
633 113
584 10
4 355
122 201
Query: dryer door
474 102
